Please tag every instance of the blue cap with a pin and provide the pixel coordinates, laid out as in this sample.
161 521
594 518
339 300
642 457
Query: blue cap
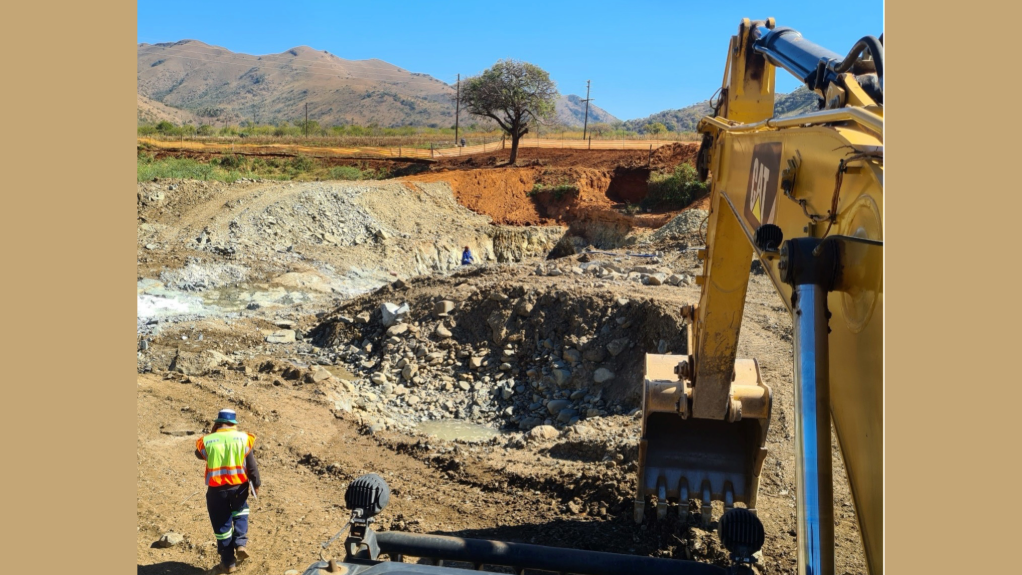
227 416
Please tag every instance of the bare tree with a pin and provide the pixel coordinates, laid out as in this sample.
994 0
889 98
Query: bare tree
513 94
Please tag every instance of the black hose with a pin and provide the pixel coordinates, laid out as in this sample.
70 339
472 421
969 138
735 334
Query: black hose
876 49
538 557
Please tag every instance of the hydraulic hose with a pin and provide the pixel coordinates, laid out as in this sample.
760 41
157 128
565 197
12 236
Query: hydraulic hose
876 49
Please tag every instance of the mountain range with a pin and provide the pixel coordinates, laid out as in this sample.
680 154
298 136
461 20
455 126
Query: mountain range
193 82
685 119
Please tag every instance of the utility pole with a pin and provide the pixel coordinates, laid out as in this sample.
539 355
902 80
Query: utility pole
585 124
457 110
306 119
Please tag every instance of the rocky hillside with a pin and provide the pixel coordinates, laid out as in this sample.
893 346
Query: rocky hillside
153 112
686 119
217 84
571 111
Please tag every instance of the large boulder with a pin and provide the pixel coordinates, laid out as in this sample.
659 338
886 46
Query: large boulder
443 308
555 406
169 540
542 432
392 313
618 345
281 336
197 363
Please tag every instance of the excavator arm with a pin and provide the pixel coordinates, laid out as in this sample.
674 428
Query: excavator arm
804 196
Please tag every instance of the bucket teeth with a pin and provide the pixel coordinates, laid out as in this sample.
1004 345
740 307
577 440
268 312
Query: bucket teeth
661 501
707 507
683 499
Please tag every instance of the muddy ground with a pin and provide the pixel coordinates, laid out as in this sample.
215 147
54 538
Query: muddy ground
520 345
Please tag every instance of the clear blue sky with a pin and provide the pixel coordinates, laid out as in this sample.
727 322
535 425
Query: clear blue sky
642 56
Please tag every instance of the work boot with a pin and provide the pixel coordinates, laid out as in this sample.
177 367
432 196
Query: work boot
242 553
228 568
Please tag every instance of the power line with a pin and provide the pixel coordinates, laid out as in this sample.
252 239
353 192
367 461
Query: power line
587 100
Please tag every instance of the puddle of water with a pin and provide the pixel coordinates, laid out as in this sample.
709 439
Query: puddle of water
152 306
340 372
237 298
156 301
456 429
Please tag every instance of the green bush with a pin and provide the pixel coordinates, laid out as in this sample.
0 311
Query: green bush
231 161
179 168
674 189
346 173
654 128
301 163
558 191
285 129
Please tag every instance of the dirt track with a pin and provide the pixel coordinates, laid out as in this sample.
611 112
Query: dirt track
573 490
666 156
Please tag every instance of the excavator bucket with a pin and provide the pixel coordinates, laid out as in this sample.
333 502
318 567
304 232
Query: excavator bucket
682 457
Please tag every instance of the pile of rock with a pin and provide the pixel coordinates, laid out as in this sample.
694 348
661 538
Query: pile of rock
508 357
198 276
650 274
421 370
684 224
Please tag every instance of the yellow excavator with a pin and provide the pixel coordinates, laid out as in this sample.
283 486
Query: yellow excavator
803 195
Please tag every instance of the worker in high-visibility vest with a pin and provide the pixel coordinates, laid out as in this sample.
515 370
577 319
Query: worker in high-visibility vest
230 471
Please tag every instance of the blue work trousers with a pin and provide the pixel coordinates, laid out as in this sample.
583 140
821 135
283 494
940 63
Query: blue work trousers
228 512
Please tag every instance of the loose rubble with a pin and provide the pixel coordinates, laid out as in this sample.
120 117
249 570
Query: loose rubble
496 352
